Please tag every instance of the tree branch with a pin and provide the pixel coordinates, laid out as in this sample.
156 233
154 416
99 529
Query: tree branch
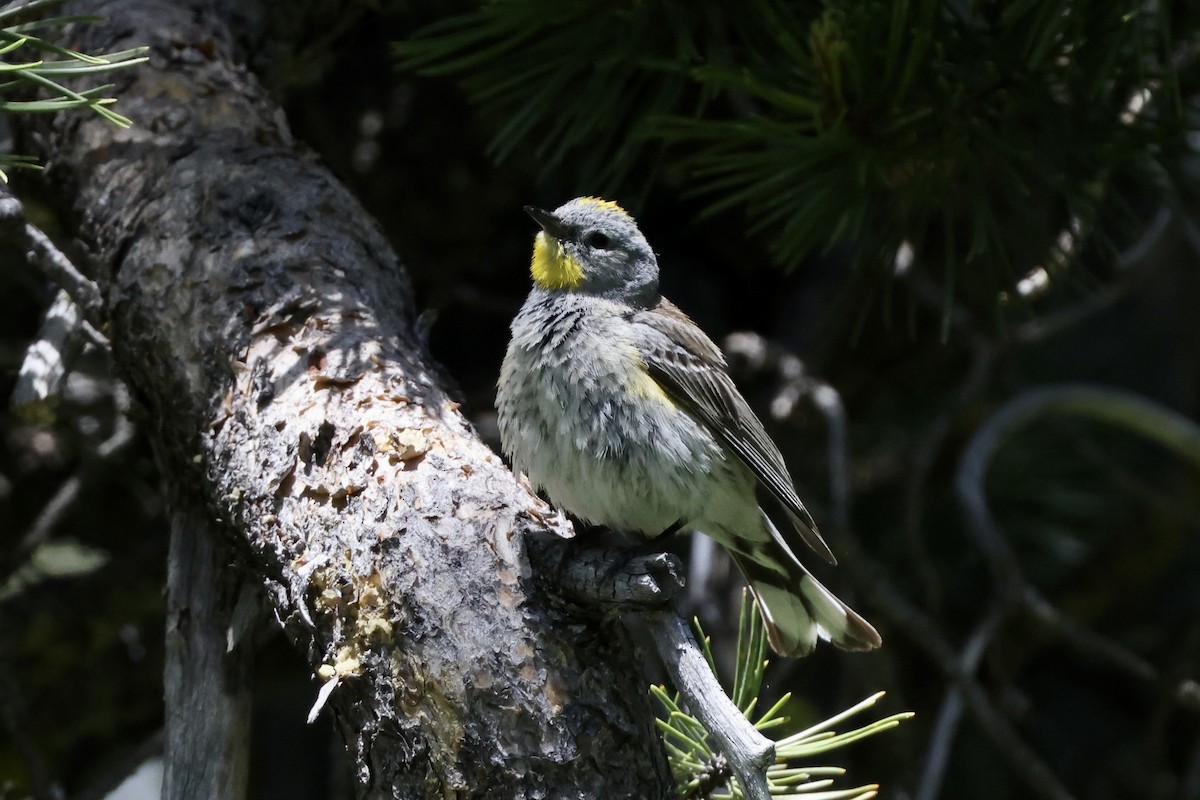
1106 404
72 317
207 746
748 751
267 327
43 254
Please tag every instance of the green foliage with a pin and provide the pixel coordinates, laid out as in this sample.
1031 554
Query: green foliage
576 81
974 133
25 59
701 772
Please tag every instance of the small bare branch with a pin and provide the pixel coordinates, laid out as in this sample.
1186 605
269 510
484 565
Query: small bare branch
928 445
43 254
759 355
871 579
946 727
906 619
748 751
649 583
72 319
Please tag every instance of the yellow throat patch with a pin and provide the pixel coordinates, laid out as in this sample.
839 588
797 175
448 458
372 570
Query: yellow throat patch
552 268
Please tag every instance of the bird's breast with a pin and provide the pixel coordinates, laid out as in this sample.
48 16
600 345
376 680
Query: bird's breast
580 414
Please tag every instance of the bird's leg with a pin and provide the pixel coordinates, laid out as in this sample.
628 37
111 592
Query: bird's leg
667 532
648 547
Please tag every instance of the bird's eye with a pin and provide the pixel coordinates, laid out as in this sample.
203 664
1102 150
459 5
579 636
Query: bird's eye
597 240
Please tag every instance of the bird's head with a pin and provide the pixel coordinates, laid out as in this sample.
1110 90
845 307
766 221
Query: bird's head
593 246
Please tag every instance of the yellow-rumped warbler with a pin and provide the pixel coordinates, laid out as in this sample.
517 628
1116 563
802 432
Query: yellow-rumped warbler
617 405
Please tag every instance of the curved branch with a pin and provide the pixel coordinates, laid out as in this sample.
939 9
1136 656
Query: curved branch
1115 406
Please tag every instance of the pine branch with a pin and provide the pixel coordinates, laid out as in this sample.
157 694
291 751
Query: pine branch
701 769
23 60
970 136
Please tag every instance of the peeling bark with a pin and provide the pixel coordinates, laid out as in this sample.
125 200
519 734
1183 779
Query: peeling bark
267 327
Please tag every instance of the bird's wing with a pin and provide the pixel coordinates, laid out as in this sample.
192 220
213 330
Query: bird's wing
692 370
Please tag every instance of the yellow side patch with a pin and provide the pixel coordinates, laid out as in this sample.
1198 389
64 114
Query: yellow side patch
552 268
642 384
607 205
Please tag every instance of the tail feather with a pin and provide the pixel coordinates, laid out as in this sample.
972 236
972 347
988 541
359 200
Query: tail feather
796 609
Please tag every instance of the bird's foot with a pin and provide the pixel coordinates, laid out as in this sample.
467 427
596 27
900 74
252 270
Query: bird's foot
618 578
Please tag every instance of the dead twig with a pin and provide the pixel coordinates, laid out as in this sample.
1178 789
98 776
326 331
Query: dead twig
42 253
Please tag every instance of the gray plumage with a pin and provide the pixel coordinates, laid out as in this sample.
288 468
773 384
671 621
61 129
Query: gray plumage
621 409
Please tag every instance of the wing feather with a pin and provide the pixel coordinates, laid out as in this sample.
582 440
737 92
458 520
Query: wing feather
692 370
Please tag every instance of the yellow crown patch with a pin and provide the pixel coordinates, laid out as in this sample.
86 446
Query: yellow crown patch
607 205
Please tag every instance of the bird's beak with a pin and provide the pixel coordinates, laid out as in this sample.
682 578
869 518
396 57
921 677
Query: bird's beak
550 223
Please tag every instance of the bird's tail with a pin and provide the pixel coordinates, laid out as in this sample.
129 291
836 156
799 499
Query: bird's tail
796 609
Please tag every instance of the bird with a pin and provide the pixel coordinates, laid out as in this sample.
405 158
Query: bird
618 407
